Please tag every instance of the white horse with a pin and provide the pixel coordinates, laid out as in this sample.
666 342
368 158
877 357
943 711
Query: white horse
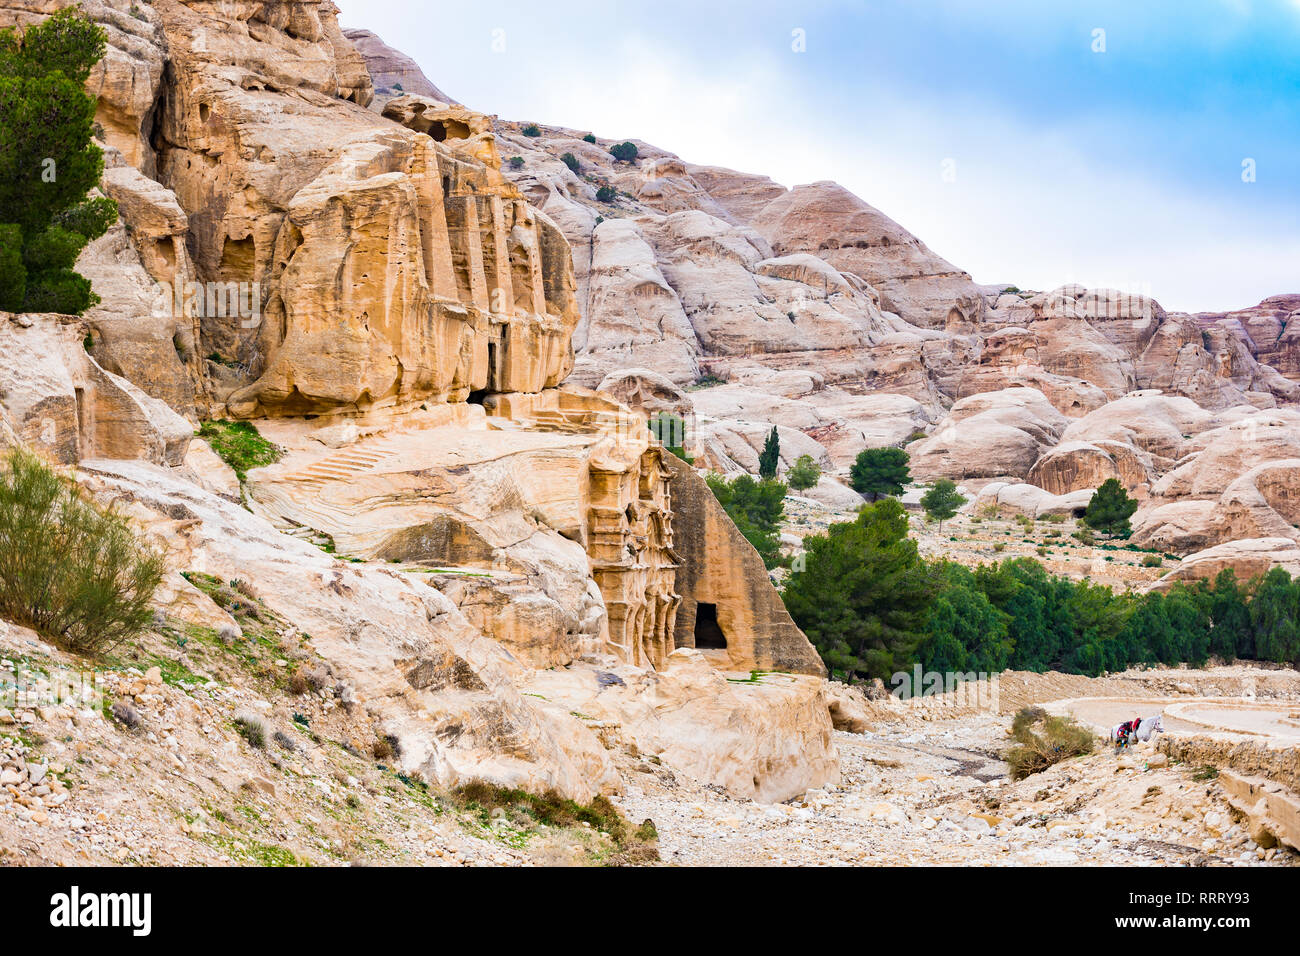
1146 726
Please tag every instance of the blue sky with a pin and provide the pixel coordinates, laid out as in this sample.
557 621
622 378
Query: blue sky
1001 133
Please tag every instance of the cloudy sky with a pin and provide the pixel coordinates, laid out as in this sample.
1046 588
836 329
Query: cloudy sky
1152 147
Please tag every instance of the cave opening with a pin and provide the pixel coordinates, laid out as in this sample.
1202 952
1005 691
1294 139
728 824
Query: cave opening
708 632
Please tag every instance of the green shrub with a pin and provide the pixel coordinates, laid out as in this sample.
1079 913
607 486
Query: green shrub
1043 740
69 570
589 138
571 161
532 130
240 445
606 193
1152 560
624 152
803 474
516 162
756 508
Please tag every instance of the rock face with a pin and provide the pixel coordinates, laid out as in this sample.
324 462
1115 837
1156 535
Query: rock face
729 610
755 740
989 435
431 679
56 398
827 220
359 276
391 71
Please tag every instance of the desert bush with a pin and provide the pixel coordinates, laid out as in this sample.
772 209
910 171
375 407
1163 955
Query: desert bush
624 152
571 161
252 728
125 714
516 162
635 845
533 130
298 684
606 193
1152 560
1043 740
69 570
318 678
589 138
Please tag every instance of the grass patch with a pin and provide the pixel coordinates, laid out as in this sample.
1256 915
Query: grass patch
253 852
632 844
1043 740
240 445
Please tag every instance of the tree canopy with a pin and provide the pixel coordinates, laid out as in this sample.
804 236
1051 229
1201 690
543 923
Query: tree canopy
1110 508
880 471
803 474
863 596
48 163
756 508
942 500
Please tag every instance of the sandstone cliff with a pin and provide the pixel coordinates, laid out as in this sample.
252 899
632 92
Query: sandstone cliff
355 273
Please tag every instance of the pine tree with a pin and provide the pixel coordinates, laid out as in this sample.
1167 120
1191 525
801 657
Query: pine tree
879 471
864 594
770 457
1110 509
48 162
942 501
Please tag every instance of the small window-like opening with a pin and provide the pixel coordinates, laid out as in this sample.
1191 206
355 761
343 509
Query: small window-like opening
708 633
476 398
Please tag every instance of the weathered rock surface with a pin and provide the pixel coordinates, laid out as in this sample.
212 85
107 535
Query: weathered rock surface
55 397
767 741
429 678
989 435
729 611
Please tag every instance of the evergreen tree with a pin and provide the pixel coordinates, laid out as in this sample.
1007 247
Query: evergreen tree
770 457
804 474
48 163
1274 609
964 631
1231 636
1110 509
864 595
942 501
756 509
879 471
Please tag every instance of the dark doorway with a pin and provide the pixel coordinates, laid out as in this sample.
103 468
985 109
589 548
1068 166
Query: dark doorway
708 633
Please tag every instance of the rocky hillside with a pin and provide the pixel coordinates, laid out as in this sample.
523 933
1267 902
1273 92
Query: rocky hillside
371 324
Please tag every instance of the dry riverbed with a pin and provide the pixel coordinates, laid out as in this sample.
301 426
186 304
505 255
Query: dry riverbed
938 794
